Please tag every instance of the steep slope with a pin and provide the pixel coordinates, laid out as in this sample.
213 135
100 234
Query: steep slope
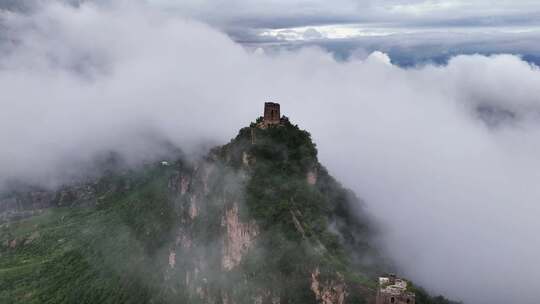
259 220
286 224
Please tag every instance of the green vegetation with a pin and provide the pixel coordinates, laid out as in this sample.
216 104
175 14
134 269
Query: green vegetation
118 250
295 215
89 255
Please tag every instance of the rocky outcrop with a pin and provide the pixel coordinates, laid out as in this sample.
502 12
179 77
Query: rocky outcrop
297 223
172 259
238 237
184 184
193 210
330 291
206 172
312 177
247 159
244 224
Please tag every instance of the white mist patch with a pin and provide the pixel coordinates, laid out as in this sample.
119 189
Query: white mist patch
458 199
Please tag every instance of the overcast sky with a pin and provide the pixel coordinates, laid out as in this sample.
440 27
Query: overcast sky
283 14
411 31
280 14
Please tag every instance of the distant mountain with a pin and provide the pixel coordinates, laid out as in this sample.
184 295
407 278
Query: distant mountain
258 220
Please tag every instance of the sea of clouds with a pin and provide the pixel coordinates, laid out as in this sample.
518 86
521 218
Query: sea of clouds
446 157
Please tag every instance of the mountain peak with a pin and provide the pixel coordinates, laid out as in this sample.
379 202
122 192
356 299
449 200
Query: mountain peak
258 220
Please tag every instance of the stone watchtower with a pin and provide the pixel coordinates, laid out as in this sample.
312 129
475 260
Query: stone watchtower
271 113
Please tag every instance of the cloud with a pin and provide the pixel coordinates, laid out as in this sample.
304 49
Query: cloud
478 26
312 33
456 192
411 31
379 57
417 48
286 14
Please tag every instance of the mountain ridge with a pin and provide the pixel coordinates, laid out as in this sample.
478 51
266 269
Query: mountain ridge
258 220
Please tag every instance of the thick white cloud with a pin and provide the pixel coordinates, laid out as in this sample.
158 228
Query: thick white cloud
458 199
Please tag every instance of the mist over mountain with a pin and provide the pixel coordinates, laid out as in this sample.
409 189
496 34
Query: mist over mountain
258 220
445 156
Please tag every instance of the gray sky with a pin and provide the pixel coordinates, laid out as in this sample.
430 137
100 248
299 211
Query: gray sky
413 32
282 14
440 14
446 156
434 30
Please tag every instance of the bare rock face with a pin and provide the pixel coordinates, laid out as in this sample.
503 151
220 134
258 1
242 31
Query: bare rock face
172 259
207 170
193 208
329 291
184 184
238 237
312 177
245 159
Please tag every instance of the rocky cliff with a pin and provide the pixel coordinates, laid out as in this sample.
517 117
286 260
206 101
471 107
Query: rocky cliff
258 220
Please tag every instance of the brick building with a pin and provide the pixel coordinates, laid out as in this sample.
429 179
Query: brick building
393 290
271 113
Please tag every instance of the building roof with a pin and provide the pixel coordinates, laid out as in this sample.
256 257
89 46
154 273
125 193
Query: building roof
394 286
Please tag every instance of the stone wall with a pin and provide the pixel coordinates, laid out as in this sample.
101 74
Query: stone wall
271 113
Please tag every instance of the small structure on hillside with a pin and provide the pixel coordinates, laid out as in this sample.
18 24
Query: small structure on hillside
271 113
271 116
393 290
